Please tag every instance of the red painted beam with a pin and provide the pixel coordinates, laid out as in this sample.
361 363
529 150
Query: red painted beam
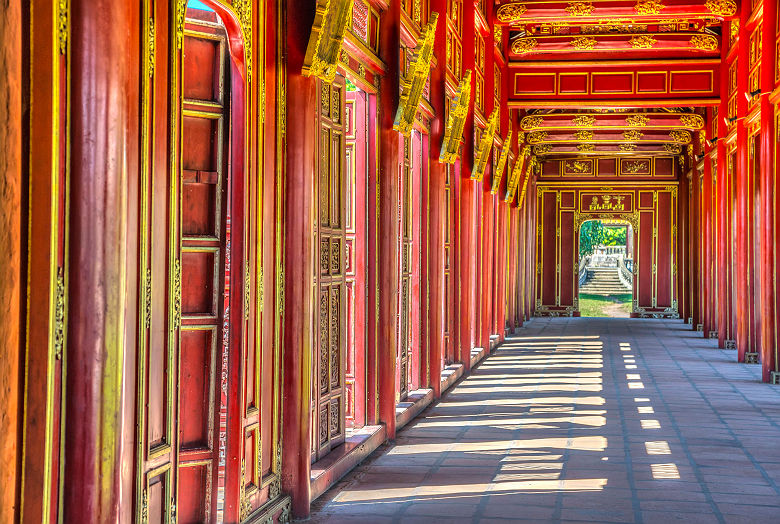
613 120
519 13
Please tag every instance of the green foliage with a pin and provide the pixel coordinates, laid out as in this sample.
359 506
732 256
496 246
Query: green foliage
614 236
591 235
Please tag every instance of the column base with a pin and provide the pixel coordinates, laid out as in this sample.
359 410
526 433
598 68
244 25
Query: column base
751 357
774 377
730 344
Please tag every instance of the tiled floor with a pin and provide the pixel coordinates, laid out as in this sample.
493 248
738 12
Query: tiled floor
598 420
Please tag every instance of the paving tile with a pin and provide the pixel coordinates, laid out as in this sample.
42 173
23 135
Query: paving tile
547 429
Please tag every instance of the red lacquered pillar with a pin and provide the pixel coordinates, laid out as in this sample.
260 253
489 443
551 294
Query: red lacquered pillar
100 345
723 243
11 277
389 202
767 341
468 250
301 167
706 232
742 275
436 218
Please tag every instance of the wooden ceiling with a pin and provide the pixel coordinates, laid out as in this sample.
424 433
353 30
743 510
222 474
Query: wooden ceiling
613 77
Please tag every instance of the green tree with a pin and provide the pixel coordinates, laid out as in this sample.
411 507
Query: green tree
614 236
591 236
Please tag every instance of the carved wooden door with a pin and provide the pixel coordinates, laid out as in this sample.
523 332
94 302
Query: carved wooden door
356 252
405 336
328 387
202 275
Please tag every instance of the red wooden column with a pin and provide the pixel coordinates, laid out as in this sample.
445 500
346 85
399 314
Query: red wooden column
301 140
389 205
742 275
706 236
468 250
767 340
436 218
682 245
723 244
694 232
11 276
104 173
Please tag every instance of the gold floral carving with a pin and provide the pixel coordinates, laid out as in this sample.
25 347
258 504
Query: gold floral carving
627 147
672 148
181 13
721 7
579 166
62 25
633 135
537 137
497 34
579 8
702 138
499 172
642 41
176 294
734 27
511 12
542 149
648 7
485 145
637 120
680 136
243 9
583 120
689 149
59 315
693 121
586 147
530 122
150 47
331 20
453 131
584 43
524 45
583 134
416 78
704 42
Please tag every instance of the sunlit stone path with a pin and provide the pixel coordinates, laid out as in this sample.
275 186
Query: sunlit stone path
598 420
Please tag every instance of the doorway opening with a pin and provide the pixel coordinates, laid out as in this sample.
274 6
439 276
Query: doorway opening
606 264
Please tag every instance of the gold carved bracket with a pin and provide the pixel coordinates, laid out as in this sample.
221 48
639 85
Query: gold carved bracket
499 174
514 176
453 132
327 35
484 147
416 77
531 165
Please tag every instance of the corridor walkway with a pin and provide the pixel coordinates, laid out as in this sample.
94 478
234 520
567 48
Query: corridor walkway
599 420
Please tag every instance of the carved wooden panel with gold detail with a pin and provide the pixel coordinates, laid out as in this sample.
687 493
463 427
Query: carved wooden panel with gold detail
329 362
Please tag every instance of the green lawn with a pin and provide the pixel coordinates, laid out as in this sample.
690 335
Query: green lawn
601 306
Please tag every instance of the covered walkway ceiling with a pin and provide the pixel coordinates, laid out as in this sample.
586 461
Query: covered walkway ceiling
606 420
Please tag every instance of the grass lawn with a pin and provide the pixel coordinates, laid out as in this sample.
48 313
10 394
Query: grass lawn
601 306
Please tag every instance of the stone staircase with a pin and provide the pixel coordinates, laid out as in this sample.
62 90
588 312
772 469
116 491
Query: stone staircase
604 281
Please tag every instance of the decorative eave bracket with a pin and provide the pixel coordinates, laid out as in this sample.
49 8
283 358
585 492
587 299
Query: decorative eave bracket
514 176
482 152
499 174
327 36
416 77
453 131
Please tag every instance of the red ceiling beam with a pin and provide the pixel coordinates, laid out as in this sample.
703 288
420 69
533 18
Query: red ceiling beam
597 11
638 83
678 136
612 120
581 46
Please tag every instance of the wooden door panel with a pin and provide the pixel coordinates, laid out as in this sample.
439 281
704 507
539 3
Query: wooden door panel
199 275
196 376
195 480
328 428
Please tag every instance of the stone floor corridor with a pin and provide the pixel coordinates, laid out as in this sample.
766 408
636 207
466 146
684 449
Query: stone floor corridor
597 420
